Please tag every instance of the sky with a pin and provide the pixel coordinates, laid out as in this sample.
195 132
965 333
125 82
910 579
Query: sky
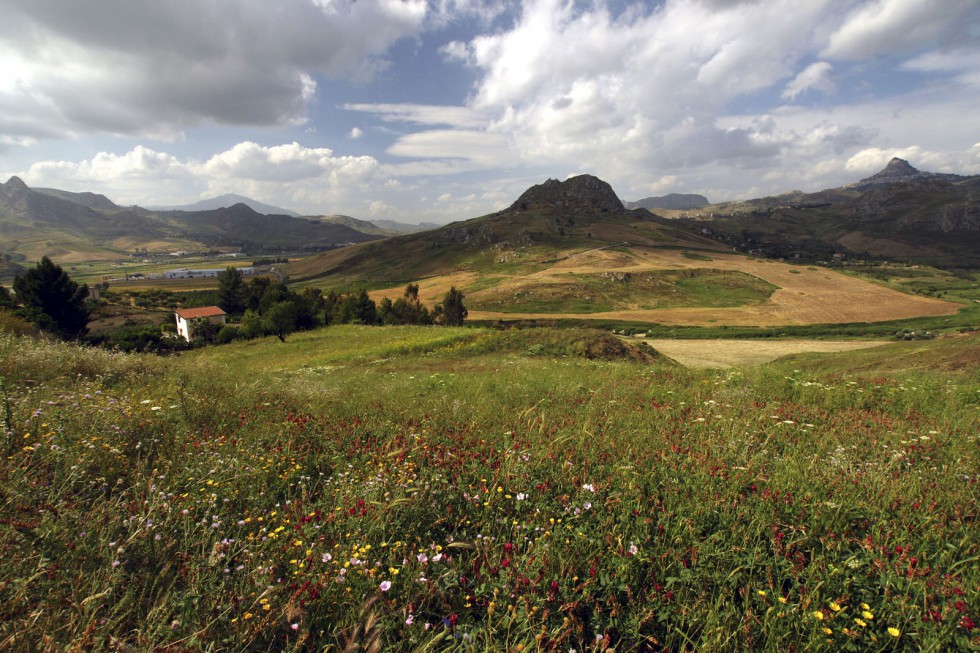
442 110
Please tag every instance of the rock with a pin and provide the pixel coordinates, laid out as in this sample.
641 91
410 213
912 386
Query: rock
581 193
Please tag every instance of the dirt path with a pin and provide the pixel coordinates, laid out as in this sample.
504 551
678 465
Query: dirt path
730 353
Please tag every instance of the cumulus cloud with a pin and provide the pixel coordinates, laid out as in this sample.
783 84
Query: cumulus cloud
154 68
308 178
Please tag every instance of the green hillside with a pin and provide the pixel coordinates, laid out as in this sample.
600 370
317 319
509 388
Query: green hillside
422 488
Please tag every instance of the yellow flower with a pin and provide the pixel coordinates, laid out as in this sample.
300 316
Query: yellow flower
867 615
865 606
860 623
818 615
782 599
894 632
828 631
761 592
835 607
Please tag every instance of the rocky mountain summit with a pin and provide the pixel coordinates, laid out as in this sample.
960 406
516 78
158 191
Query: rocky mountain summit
575 194
900 171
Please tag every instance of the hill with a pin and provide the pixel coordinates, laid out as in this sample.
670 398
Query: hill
899 213
226 201
547 221
571 250
384 228
671 202
78 226
435 489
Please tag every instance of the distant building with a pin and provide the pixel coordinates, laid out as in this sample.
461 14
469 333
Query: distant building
187 315
189 273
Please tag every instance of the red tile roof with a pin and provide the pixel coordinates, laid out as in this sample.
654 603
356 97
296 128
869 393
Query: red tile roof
204 311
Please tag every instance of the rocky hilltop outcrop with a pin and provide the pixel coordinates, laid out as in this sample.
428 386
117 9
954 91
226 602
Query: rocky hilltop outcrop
575 194
900 171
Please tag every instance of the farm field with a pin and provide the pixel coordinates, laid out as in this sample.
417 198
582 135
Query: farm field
730 353
425 488
783 294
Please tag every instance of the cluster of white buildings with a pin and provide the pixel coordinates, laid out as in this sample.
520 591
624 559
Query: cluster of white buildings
190 273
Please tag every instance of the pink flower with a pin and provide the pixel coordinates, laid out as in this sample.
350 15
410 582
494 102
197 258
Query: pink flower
294 626
385 585
410 620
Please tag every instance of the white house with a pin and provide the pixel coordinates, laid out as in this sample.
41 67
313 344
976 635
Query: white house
187 315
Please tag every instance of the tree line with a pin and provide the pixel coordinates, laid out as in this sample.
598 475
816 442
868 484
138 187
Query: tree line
267 307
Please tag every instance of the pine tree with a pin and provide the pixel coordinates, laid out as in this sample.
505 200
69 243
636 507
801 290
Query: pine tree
232 292
451 311
52 300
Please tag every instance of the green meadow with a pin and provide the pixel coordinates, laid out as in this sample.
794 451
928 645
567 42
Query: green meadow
470 489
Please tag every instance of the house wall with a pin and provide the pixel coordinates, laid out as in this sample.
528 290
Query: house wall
184 326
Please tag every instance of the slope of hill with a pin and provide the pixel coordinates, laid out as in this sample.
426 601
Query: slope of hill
226 201
670 202
548 221
78 226
571 250
898 214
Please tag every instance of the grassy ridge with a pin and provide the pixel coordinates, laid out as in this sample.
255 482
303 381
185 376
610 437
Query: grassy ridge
475 490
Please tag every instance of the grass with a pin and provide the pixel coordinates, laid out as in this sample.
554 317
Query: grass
601 292
469 489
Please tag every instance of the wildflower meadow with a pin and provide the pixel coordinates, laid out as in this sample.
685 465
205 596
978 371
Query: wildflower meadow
415 488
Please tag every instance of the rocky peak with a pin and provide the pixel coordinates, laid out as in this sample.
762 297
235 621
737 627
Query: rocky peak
901 171
15 191
581 193
897 170
15 184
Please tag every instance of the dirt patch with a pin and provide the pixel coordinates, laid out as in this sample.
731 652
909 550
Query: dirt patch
805 296
731 353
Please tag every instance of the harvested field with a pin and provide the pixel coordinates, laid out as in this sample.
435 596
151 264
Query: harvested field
732 353
806 295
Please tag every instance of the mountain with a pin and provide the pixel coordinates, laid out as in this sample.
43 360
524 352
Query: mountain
899 171
228 200
79 226
548 220
670 202
402 228
900 213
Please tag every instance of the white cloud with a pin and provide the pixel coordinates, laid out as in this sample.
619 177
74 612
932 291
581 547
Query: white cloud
815 76
883 27
153 68
423 114
290 174
355 133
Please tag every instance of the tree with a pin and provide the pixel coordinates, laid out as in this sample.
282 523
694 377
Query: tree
6 300
451 311
204 330
409 308
232 292
280 319
251 325
52 300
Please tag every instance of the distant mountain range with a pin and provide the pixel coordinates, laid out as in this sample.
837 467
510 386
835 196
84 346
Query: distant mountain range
68 226
78 226
224 201
671 202
899 213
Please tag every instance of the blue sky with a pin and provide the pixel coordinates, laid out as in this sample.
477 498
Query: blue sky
443 110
